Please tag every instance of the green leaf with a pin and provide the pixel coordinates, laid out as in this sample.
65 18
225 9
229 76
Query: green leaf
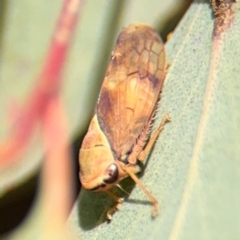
193 170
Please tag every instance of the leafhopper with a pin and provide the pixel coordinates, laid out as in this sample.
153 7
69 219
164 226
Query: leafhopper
118 139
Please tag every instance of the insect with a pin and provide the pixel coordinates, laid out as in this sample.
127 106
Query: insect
118 139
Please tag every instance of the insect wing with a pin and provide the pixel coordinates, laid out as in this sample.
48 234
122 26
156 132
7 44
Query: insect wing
131 87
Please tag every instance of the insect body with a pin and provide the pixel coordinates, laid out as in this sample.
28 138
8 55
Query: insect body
117 138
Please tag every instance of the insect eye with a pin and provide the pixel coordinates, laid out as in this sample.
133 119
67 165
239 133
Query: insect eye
112 172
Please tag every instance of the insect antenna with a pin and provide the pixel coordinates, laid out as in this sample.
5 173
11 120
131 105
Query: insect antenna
119 186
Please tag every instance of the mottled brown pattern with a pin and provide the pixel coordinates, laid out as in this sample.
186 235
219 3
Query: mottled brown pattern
131 87
224 12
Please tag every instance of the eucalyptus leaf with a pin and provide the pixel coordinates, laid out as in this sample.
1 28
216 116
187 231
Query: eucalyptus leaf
193 170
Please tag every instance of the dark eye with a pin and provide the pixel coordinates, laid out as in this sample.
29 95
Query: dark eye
112 172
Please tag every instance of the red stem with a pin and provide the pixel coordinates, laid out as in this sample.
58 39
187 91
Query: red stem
47 85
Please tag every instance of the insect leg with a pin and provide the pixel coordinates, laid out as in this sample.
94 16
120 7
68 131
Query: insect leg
144 189
116 207
142 155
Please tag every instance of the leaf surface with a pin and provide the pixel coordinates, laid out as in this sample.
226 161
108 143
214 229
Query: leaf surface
193 170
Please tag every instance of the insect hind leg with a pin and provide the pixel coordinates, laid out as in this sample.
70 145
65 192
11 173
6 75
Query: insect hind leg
131 171
142 155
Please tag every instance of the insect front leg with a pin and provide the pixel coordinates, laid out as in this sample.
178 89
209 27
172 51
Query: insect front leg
144 189
142 155
116 207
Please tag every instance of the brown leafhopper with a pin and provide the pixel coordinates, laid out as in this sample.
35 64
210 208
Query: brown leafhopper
118 140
